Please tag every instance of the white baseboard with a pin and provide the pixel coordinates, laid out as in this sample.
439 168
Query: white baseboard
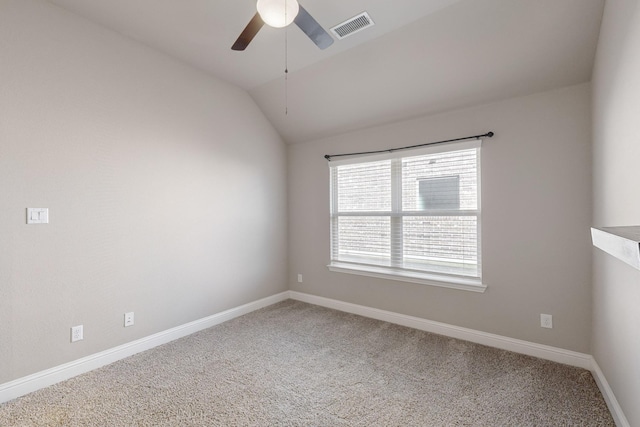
541 351
511 344
28 384
609 397
31 383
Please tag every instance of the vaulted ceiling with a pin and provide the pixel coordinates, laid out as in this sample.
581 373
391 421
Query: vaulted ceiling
421 56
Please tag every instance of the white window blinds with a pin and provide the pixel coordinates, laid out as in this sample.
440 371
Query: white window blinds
409 213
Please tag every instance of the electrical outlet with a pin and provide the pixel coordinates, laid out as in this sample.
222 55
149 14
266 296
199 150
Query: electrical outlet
77 333
546 321
128 319
299 278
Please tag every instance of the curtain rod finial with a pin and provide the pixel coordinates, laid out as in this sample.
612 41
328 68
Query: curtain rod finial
490 134
328 157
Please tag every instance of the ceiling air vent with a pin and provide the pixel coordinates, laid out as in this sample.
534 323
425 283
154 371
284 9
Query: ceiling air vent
352 25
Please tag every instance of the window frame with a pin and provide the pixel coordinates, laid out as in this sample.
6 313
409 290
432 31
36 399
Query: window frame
395 271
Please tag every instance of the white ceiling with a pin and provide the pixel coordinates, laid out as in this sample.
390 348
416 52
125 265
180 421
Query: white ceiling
421 57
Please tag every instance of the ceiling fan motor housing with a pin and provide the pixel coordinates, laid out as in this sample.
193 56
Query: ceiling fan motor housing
278 13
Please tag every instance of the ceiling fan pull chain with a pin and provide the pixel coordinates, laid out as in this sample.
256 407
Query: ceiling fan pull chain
286 65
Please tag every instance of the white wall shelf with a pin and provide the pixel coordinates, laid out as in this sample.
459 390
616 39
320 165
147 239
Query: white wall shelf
621 242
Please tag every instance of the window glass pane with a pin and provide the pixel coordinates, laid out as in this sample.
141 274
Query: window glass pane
445 244
364 239
364 187
440 192
440 181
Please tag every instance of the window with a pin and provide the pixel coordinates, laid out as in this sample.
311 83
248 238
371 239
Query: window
412 216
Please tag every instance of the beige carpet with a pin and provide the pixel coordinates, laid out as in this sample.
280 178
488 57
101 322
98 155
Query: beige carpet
295 364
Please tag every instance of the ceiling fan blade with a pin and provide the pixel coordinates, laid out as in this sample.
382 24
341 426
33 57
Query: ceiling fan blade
248 33
312 29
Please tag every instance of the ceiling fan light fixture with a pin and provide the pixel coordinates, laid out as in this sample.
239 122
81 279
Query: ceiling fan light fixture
278 13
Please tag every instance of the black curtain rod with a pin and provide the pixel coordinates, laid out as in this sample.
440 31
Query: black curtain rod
391 150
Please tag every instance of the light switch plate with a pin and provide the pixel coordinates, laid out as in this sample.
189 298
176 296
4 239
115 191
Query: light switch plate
37 215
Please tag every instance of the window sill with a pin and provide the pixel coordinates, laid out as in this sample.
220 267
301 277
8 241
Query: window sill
460 283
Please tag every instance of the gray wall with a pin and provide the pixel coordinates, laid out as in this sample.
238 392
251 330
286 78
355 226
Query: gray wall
616 152
166 190
536 213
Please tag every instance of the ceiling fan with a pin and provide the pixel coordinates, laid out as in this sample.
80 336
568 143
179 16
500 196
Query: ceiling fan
278 14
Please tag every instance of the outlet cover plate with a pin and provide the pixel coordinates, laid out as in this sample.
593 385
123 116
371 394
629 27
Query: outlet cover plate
77 333
546 321
128 319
